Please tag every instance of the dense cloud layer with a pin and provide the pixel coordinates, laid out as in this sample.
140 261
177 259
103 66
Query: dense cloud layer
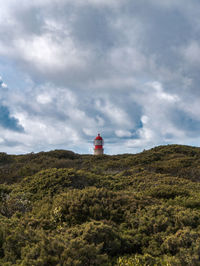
127 69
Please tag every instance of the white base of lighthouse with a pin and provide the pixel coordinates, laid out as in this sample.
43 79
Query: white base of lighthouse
98 151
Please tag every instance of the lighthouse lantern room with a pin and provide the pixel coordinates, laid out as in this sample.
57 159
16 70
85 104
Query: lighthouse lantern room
98 145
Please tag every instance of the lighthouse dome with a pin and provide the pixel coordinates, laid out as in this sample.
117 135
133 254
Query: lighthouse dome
99 137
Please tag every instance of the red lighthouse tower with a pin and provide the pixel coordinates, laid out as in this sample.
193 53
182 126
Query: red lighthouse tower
98 145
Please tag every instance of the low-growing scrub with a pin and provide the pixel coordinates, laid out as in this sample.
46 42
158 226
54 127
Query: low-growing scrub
61 208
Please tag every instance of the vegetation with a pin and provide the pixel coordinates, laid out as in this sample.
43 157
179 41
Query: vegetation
62 208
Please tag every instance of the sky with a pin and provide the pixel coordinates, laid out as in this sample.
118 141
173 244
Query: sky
70 69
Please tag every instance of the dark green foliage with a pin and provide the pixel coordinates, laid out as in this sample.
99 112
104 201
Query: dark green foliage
61 208
5 159
78 206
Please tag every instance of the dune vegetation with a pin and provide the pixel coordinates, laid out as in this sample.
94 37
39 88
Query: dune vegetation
62 208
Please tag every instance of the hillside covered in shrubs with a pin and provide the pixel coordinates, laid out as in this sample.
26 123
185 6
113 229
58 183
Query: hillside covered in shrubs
62 208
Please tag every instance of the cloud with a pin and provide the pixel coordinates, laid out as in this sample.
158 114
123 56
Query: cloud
115 114
2 84
161 95
191 53
123 133
127 69
7 121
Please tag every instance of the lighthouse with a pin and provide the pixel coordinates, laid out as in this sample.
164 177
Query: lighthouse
98 145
